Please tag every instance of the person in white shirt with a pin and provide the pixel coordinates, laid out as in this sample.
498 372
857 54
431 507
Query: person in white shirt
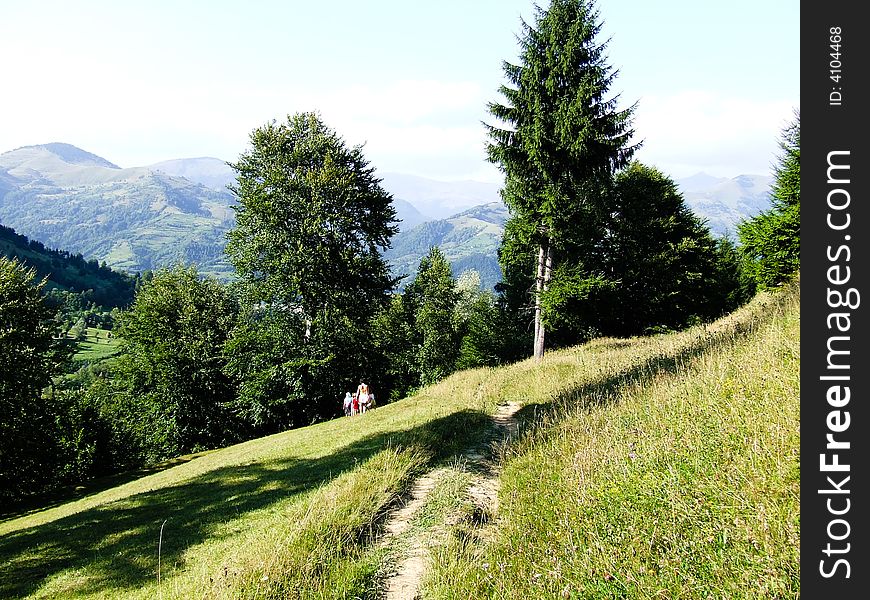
362 391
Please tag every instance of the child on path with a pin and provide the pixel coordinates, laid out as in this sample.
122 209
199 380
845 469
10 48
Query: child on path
348 400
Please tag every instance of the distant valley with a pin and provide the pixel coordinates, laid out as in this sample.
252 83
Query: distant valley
180 210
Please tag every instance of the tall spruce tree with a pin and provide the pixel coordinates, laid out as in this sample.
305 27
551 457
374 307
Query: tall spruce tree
770 241
560 137
433 294
311 223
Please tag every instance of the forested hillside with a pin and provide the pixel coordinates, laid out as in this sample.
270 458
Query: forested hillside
469 240
66 271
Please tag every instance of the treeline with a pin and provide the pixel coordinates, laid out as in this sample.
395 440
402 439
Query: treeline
597 244
101 284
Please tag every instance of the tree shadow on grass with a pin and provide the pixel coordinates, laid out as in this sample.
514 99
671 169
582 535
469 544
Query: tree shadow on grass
91 487
115 545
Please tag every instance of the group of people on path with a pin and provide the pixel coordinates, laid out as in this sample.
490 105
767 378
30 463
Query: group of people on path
360 401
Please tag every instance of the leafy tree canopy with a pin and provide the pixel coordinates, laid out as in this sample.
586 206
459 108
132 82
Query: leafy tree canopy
172 369
29 356
312 221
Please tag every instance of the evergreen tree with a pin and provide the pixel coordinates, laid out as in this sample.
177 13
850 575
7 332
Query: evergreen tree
311 223
562 137
485 338
434 296
670 269
770 241
396 340
659 267
516 290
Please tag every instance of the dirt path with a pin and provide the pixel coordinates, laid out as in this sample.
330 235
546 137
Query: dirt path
404 583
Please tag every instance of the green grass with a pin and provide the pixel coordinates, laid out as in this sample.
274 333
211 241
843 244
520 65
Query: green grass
98 344
674 481
652 467
287 512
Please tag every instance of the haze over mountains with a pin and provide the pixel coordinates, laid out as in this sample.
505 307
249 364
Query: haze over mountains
179 210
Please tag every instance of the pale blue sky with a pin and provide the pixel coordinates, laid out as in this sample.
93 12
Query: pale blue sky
138 83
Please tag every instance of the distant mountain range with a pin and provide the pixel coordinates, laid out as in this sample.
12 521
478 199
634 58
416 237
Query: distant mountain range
416 199
723 202
180 210
133 219
469 240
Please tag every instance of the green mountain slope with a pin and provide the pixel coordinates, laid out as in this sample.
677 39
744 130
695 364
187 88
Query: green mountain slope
133 219
68 271
469 240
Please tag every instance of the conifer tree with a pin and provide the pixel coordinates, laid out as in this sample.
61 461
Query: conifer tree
770 241
433 293
560 136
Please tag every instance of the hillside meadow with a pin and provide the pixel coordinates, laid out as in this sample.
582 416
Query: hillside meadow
654 467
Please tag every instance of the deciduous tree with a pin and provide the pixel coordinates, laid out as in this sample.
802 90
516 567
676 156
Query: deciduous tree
172 367
311 223
30 356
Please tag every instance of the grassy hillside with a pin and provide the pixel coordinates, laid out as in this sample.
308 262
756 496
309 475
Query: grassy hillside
652 467
96 344
678 477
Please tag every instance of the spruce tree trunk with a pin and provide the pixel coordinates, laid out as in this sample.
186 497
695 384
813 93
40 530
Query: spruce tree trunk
542 281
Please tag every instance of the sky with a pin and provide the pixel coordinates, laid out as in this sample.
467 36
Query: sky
141 82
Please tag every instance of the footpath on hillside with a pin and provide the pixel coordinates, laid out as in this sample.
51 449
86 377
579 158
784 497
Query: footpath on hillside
409 546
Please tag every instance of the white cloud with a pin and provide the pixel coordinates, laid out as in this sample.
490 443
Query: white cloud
694 131
407 124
